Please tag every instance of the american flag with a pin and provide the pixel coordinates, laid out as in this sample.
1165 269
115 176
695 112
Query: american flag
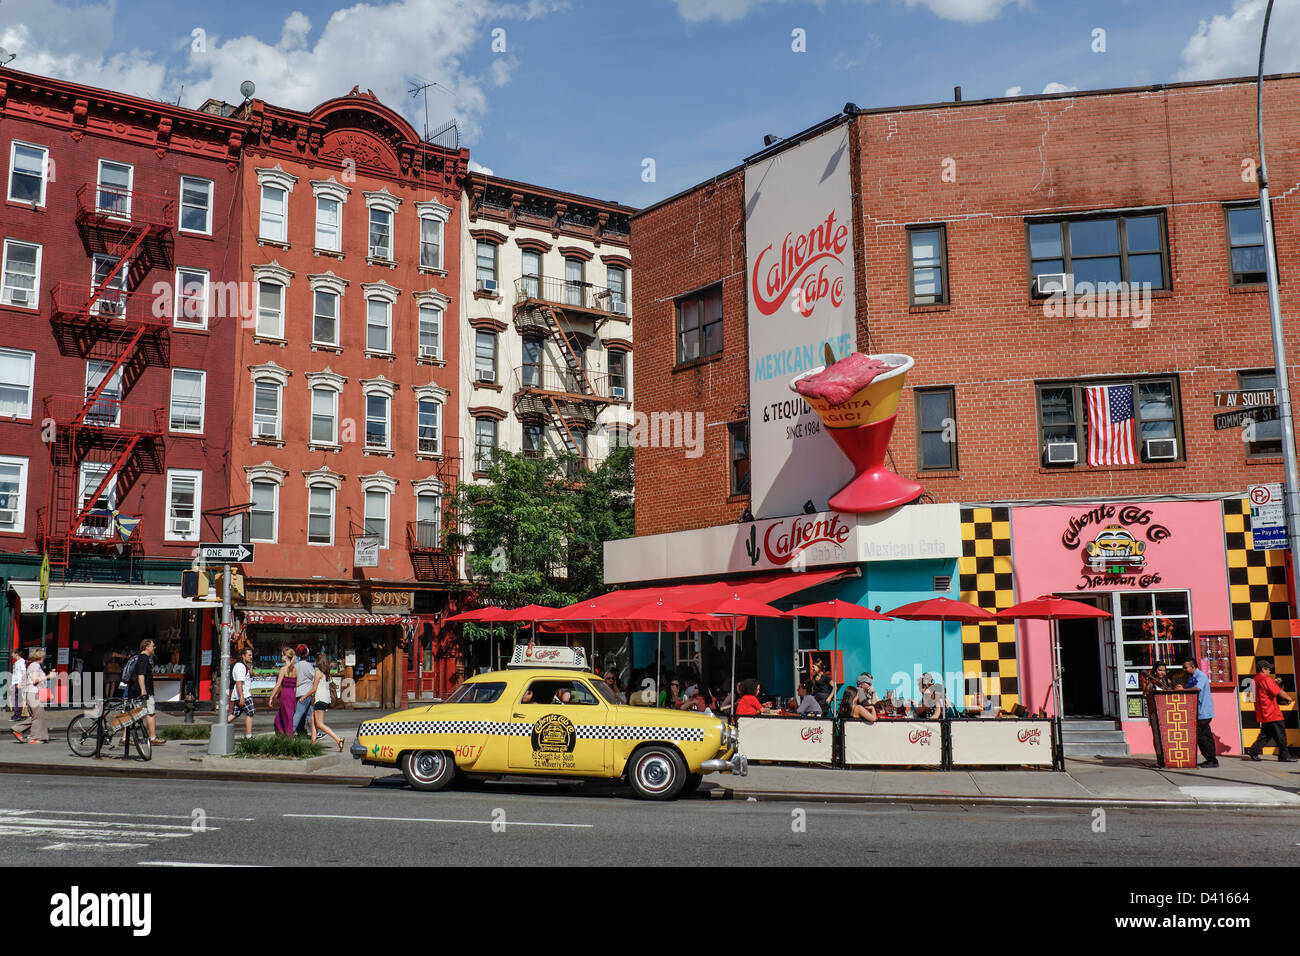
1110 425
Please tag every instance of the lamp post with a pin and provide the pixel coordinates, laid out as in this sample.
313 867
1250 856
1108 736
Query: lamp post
1292 495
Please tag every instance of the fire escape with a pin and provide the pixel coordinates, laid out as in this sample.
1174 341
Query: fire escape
568 398
95 433
432 559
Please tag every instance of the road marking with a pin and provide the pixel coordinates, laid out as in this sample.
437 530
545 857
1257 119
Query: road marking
7 820
112 813
95 846
180 863
507 823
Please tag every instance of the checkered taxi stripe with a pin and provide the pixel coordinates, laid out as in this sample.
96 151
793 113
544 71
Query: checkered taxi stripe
499 728
1261 626
984 577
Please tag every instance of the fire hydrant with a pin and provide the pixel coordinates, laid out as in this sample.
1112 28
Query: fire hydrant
189 708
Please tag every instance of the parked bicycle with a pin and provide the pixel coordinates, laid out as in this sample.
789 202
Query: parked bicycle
98 728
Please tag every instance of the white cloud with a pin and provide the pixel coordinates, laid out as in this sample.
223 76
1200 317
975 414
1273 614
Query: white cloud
725 11
1013 91
728 11
1227 45
1055 87
476 167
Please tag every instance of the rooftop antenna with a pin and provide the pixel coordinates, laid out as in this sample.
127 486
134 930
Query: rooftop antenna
420 87
247 89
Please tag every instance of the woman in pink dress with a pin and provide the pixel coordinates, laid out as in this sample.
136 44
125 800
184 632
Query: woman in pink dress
288 700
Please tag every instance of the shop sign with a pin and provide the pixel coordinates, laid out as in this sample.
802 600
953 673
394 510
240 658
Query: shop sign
328 599
365 551
1116 555
1268 528
785 540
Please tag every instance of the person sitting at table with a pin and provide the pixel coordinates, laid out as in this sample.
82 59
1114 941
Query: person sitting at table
804 703
931 705
850 709
748 705
820 682
867 689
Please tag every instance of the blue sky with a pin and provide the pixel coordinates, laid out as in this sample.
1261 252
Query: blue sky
584 91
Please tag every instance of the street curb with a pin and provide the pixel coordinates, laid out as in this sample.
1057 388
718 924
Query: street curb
1065 803
180 773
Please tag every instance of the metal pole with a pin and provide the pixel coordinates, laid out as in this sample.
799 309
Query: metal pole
659 659
1292 495
222 741
731 691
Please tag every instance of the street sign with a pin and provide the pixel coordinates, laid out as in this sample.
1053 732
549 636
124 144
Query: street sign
1246 398
1256 414
1268 528
365 551
1266 494
226 553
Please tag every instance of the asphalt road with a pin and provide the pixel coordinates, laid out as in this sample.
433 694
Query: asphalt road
67 821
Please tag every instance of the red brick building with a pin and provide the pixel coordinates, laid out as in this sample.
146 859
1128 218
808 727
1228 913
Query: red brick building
119 216
346 389
958 209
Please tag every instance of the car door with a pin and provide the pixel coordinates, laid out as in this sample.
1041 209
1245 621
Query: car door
561 738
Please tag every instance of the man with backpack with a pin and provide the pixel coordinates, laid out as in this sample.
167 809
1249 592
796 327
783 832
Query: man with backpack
137 683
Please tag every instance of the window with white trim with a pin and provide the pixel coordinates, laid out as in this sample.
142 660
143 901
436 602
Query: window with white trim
379 327
28 165
574 281
187 400
196 205
265 498
325 318
191 308
274 222
485 356
320 514
381 233
20 280
429 424
430 332
616 279
270 309
184 502
107 410
108 274
324 415
431 232
531 273
17 371
376 515
377 424
266 409
329 224
428 520
485 263
485 443
92 475
13 494
113 189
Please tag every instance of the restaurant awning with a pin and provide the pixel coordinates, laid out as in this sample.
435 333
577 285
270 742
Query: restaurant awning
99 597
324 618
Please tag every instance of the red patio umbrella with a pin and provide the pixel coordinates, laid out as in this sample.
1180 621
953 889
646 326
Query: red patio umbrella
735 607
489 614
1049 607
660 613
837 610
942 609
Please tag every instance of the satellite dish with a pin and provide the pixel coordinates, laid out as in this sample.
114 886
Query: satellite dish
247 89
5 56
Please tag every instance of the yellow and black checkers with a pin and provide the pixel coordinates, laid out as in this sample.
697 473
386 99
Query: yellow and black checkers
984 578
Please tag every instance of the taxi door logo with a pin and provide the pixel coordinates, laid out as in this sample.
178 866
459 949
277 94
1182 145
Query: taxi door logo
553 739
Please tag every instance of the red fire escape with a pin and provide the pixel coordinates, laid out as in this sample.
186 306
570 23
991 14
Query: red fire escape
96 433
432 557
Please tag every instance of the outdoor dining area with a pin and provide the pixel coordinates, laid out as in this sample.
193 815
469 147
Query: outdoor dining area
853 726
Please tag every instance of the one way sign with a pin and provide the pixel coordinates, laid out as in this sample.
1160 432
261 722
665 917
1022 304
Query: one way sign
226 553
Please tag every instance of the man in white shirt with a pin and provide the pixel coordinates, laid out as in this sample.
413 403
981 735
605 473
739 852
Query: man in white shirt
16 681
242 695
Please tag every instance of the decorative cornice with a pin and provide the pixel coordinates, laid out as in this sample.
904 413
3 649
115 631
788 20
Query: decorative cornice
430 485
328 281
328 378
432 209
431 297
487 411
613 260
383 199
276 176
324 476
331 189
576 252
265 472
381 290
272 271
533 245
378 482
621 344
431 392
379 386
269 372
487 325
487 235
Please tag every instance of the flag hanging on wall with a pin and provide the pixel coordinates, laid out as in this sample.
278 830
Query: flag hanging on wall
1110 425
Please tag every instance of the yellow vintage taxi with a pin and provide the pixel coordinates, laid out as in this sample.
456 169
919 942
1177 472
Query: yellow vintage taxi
1115 546
550 721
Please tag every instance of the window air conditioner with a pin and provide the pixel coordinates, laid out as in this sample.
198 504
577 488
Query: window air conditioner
487 285
1062 453
379 252
618 306
182 526
1161 449
487 375
1052 283
268 430
617 392
428 351
18 297
8 517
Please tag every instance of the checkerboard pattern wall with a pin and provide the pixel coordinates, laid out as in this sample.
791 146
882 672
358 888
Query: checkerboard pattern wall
985 578
1261 624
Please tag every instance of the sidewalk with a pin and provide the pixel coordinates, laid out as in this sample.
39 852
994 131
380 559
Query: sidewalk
1110 782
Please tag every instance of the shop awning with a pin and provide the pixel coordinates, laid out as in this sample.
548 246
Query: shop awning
99 597
324 618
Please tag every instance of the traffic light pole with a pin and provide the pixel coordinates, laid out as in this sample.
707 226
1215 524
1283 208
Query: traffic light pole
222 740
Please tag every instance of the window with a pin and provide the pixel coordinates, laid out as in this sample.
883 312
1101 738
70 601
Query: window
270 309
428 520
108 274
485 356
1267 435
739 435
485 443
325 318
928 259
21 277
1245 231
618 373
573 281
430 332
275 214
13 494
381 233
430 243
376 515
478 693
329 215
936 433
1111 423
485 263
262 517
196 205
97 525
191 309
27 168
617 278
17 369
378 325
531 372
184 495
1111 249
113 193
533 446
377 421
429 425
266 410
107 409
320 514
532 274
699 325
187 400
1153 626
324 416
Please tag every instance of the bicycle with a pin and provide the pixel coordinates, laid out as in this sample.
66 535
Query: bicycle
90 732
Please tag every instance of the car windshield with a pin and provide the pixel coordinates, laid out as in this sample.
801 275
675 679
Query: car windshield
605 693
480 692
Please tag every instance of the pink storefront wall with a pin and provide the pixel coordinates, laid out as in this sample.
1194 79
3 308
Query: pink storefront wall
1191 558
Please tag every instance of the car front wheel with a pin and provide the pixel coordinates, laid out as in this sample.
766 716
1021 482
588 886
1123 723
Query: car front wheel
657 773
428 770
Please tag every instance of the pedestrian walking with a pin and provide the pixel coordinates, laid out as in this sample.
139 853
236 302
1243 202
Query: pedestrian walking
33 724
322 693
17 679
137 678
1269 715
242 698
302 721
286 683
1197 681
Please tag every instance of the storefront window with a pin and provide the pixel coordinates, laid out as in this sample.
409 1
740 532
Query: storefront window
1154 626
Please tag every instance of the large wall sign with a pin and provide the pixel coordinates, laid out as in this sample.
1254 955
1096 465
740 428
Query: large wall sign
799 245
1112 542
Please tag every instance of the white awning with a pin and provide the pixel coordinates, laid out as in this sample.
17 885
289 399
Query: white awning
99 597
